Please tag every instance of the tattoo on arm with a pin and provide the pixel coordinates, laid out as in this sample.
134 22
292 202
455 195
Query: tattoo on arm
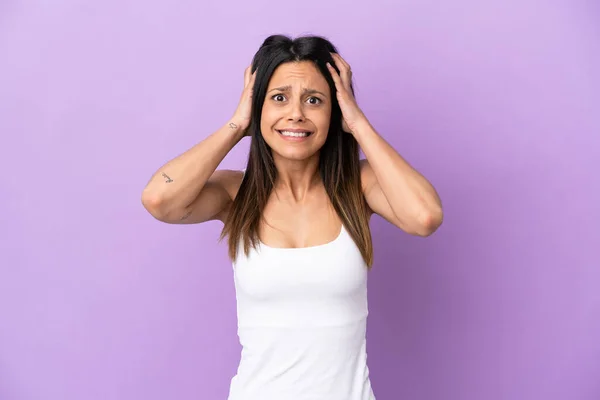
167 179
232 125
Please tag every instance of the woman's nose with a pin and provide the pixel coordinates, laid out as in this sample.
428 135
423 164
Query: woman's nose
296 112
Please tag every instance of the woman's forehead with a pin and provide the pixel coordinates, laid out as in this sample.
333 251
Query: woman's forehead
302 74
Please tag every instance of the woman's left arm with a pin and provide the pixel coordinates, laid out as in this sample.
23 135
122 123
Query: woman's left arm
392 187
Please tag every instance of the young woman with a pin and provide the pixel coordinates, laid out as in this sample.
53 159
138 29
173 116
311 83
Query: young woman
297 219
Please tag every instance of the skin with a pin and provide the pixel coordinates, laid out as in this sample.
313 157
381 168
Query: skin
298 213
190 189
304 103
297 97
392 187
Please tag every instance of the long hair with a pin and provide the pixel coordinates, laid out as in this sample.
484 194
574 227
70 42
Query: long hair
339 165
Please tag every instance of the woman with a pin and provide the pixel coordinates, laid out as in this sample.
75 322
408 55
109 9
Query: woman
297 219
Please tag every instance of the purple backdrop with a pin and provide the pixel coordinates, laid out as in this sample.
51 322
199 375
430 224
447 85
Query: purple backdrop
496 102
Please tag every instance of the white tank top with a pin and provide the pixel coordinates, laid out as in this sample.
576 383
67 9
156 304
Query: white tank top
302 316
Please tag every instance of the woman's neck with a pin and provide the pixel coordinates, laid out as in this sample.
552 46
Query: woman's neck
297 178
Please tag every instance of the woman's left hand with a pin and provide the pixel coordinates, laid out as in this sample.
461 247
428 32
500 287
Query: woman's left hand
352 115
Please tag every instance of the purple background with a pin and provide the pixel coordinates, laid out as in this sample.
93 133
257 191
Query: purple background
496 102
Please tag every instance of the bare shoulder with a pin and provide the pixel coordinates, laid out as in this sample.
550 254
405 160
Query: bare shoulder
226 183
367 176
230 180
376 200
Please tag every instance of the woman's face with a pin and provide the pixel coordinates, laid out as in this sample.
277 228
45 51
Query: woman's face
297 110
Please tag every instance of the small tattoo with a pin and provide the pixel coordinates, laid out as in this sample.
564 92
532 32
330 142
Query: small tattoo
186 215
233 126
167 179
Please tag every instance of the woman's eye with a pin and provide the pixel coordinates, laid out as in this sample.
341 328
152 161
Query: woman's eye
278 97
314 100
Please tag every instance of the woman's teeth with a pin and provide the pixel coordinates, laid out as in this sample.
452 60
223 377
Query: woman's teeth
294 134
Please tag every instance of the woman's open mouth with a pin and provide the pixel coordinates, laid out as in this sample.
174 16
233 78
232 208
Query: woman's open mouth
294 135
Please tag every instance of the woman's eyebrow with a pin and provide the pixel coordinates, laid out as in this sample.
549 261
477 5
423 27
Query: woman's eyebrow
305 91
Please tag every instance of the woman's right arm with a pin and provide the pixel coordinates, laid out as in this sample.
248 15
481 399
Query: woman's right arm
188 189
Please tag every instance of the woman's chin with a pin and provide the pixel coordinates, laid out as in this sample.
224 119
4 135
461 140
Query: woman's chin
294 154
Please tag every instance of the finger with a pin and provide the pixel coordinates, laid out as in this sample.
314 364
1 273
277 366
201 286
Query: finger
341 62
344 62
246 78
251 83
344 68
336 77
247 75
338 59
337 62
346 74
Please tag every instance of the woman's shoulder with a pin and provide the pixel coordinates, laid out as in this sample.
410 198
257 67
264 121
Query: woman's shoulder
230 180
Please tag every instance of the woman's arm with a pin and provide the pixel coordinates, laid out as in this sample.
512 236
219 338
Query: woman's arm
187 189
394 189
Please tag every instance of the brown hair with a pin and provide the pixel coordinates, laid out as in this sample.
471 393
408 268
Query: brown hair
339 164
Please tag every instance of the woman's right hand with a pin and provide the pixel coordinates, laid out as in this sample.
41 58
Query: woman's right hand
243 113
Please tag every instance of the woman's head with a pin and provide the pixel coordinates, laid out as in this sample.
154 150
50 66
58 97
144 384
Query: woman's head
296 111
294 91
